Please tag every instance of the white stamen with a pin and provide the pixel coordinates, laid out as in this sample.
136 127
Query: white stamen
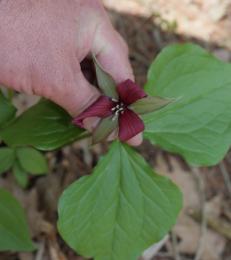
119 108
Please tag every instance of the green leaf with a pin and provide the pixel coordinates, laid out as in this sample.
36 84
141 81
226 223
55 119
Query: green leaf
7 110
198 125
120 210
150 104
14 232
20 175
105 81
7 157
45 126
105 128
32 161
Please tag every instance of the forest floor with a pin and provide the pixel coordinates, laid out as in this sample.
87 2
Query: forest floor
203 230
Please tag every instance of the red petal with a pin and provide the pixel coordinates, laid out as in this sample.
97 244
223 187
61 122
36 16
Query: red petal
100 108
129 125
129 92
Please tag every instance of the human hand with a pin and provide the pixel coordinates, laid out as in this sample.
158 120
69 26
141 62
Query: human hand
42 45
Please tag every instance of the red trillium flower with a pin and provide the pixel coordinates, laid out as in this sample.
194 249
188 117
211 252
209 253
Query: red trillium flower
118 108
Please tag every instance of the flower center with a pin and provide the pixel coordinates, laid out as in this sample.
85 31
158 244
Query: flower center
117 109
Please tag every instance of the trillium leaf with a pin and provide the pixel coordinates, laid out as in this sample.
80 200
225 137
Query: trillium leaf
45 126
120 210
20 175
7 110
7 157
105 81
14 232
150 104
104 129
198 125
32 160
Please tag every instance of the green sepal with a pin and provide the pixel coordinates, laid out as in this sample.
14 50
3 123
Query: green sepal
105 127
105 81
150 104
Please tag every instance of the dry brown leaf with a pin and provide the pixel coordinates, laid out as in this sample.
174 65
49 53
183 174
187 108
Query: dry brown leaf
186 229
183 179
189 233
213 207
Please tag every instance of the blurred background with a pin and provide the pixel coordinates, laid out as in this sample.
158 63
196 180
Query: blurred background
203 230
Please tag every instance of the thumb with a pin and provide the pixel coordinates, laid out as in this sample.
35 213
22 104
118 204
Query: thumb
112 53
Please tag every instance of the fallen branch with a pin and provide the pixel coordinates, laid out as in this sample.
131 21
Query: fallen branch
175 247
203 221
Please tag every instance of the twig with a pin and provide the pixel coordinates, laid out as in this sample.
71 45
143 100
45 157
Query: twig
226 177
200 184
40 252
174 247
164 254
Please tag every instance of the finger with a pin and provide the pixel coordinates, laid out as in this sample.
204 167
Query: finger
112 53
75 94
91 123
136 140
